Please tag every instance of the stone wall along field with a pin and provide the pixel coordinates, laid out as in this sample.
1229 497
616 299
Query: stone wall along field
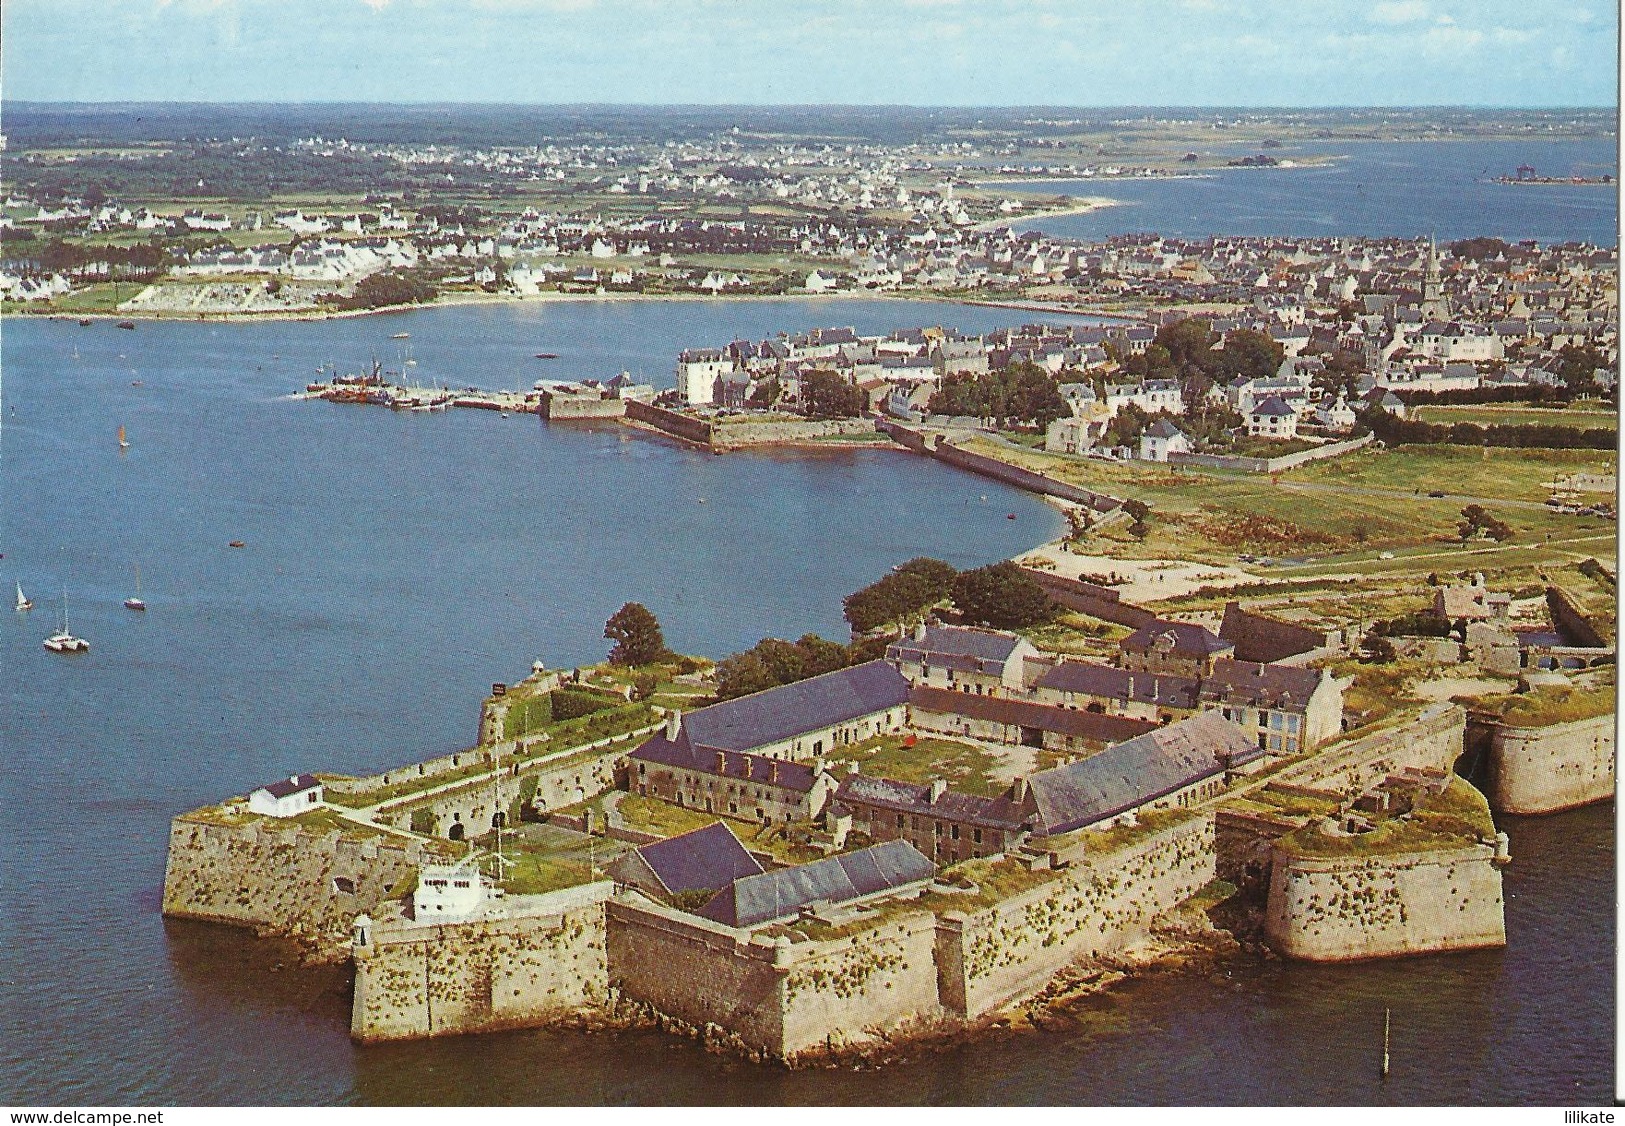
1547 769
1336 909
1011 950
279 878
543 959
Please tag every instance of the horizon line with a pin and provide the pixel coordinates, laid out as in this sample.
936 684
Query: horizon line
1329 106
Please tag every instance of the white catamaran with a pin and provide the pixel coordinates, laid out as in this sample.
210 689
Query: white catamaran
62 641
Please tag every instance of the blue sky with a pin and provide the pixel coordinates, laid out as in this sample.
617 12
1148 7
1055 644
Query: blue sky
919 52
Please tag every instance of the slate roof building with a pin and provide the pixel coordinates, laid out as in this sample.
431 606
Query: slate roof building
1020 722
670 767
881 871
1173 647
1286 709
1172 766
944 824
964 658
1272 418
804 719
702 860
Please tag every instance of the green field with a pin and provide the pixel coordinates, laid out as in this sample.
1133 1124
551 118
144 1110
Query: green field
1492 415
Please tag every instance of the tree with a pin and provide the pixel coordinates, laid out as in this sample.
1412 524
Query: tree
1001 595
637 636
910 590
1250 354
1138 511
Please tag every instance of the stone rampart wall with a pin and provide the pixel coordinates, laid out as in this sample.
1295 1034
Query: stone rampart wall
1083 597
279 878
699 972
565 408
738 434
1547 769
1023 478
1271 464
1098 905
543 959
682 426
1431 740
1346 908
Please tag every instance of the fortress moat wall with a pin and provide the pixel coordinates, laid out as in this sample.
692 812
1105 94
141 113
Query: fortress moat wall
1548 769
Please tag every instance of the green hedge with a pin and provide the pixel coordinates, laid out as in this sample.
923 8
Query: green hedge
570 703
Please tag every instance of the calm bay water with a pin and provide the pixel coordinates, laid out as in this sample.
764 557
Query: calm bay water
397 563
1374 189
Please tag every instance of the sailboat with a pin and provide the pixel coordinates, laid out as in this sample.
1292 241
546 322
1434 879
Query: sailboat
134 602
23 603
123 443
62 641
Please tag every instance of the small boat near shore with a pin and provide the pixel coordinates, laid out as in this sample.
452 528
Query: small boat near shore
547 355
126 324
84 322
237 543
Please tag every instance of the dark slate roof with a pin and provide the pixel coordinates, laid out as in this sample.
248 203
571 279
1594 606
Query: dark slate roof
795 709
1111 682
1136 772
1024 713
1283 687
1162 428
708 858
838 879
951 805
1273 407
957 647
1189 640
283 787
757 769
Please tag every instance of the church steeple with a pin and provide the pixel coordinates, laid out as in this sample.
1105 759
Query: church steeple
1434 306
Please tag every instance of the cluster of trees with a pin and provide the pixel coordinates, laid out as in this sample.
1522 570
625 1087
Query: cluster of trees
825 394
1022 393
1401 431
1184 350
773 661
1001 595
388 287
1475 522
57 256
908 592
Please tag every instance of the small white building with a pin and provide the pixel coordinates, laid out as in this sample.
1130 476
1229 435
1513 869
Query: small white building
1162 438
1272 419
287 797
448 892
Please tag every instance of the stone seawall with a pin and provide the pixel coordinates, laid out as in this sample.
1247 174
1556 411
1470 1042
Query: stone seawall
565 408
670 422
541 959
1337 909
1548 769
740 435
284 879
1100 904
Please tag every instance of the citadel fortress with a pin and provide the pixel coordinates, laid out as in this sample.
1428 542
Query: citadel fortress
748 872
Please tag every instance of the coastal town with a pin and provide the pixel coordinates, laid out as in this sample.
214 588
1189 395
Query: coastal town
1335 595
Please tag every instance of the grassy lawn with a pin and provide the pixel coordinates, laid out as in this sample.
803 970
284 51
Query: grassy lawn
651 815
1514 474
1493 415
964 766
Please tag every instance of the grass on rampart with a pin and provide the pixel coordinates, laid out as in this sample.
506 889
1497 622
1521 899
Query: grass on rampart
1545 706
1456 817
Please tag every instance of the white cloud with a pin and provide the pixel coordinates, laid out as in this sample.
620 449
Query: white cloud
376 5
1399 11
